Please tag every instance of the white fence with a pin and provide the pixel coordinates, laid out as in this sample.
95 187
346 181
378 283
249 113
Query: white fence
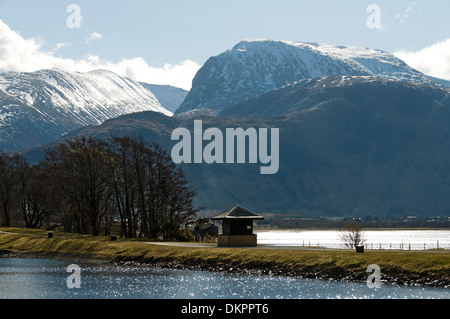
379 246
375 240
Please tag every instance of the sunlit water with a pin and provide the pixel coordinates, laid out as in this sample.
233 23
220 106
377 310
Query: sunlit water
47 279
375 239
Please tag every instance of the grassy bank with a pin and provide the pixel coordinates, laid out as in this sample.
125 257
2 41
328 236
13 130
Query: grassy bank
403 267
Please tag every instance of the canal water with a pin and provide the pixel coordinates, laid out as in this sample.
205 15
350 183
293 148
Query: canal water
25 278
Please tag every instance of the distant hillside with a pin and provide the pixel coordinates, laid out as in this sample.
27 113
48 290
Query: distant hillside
169 97
349 146
360 132
253 67
40 107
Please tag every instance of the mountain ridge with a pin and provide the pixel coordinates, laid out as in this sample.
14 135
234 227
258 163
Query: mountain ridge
253 67
374 140
36 107
342 151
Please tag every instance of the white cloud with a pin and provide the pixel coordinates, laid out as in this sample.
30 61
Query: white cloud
25 55
179 75
433 60
412 10
94 36
59 46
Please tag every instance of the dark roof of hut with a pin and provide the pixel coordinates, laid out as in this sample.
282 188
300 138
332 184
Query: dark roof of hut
237 212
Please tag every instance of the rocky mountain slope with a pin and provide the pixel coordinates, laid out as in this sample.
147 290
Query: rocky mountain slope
39 107
360 132
349 146
253 67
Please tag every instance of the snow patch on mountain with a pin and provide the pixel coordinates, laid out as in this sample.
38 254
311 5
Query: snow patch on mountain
253 67
54 102
89 97
170 97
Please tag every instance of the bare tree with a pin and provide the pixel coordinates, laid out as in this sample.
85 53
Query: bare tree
86 185
151 195
127 155
7 187
81 168
30 195
352 235
172 198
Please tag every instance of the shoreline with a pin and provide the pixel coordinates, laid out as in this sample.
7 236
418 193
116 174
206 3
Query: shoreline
430 269
314 275
318 273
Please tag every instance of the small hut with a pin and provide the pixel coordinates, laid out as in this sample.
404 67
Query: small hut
237 227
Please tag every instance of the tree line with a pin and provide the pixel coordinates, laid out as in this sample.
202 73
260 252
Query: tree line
92 186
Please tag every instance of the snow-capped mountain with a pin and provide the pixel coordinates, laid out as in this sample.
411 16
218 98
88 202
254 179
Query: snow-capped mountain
358 144
41 106
253 67
348 145
169 96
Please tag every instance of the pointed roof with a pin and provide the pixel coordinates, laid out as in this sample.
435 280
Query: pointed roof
237 212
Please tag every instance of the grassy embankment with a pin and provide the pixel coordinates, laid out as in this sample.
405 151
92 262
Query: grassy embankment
428 268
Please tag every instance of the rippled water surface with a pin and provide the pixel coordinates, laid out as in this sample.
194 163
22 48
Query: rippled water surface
47 279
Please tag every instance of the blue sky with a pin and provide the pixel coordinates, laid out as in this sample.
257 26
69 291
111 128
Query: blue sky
169 37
